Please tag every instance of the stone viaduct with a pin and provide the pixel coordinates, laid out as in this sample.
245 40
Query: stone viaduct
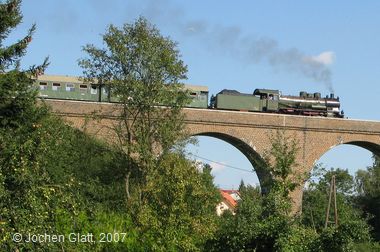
248 132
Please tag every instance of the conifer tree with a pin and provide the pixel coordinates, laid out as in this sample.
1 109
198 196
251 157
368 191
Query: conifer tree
17 98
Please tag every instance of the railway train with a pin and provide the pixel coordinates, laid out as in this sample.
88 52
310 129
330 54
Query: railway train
261 100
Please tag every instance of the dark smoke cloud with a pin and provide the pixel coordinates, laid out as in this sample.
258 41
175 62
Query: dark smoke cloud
257 50
232 41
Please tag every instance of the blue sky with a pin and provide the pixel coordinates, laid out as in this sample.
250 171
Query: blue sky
239 45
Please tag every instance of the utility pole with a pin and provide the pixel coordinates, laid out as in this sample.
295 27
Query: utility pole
332 194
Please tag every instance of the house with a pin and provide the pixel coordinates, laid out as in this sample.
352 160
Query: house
229 202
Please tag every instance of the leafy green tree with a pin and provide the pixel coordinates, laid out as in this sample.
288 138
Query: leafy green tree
171 203
143 69
58 181
351 227
368 187
249 191
316 196
264 223
179 210
281 162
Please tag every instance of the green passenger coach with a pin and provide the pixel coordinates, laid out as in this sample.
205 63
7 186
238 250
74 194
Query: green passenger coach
66 88
73 88
198 95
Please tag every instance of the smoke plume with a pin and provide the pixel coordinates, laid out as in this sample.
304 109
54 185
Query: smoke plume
257 50
231 40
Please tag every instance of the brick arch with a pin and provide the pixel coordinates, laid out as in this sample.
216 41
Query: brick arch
256 160
365 144
330 141
370 146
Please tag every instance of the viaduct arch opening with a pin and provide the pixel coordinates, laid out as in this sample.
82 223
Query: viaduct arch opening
254 158
342 155
372 147
311 195
352 146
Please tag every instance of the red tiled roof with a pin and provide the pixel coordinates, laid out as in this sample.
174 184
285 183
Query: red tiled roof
228 198
230 191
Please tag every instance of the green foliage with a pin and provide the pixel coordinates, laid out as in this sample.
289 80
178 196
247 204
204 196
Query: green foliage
178 212
10 18
344 181
94 169
143 69
367 247
351 227
368 200
171 203
315 199
17 97
47 188
29 196
281 160
298 238
263 223
343 237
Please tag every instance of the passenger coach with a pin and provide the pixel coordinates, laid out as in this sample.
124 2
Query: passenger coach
72 88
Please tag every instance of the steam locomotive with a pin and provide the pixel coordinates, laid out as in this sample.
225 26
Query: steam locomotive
261 100
271 101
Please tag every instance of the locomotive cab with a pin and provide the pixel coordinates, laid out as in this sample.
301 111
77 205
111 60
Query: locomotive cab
268 99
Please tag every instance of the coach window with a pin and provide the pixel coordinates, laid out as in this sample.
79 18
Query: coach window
105 90
56 86
70 87
94 90
83 88
43 86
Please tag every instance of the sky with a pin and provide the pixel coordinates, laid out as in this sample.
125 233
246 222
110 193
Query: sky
315 46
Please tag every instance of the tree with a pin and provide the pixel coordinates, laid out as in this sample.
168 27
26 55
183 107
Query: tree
10 18
17 98
281 162
264 223
179 209
351 227
172 204
142 68
368 186
315 200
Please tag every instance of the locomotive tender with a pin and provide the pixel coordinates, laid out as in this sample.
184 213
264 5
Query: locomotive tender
262 100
